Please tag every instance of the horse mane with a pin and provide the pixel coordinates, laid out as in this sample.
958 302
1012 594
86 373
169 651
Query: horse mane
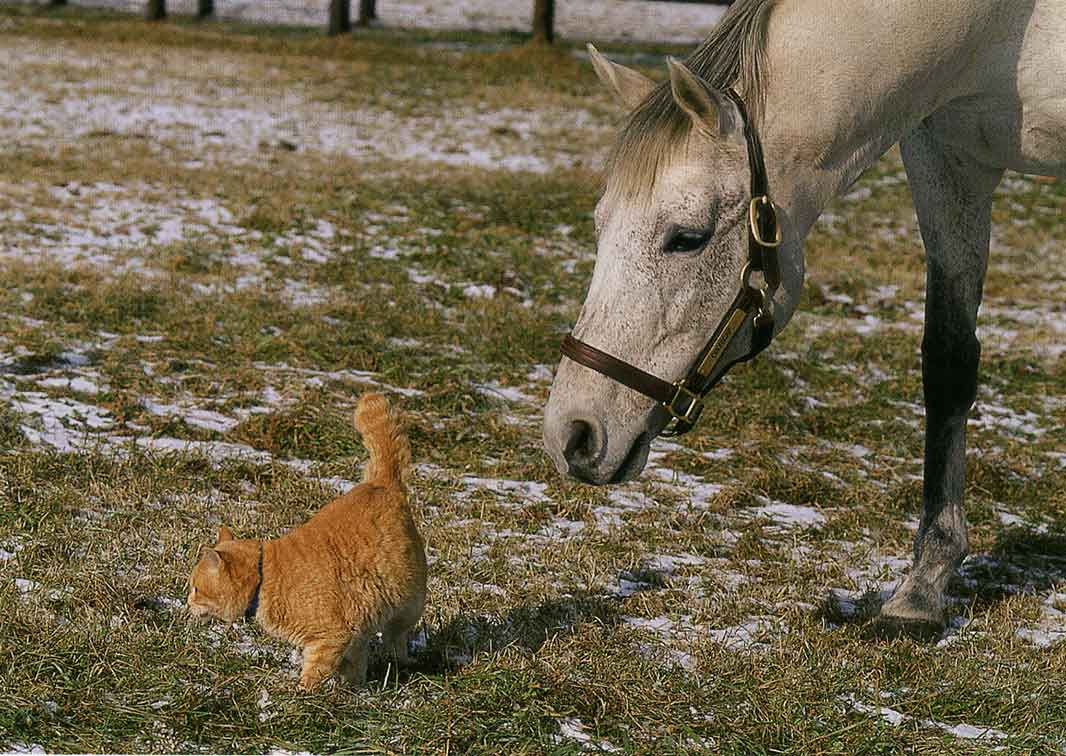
732 56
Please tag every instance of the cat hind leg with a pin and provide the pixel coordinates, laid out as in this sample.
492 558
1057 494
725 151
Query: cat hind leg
321 658
397 630
353 664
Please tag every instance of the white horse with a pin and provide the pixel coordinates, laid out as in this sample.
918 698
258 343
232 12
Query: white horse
969 88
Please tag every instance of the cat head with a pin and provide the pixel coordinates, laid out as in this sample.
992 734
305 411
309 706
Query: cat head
222 582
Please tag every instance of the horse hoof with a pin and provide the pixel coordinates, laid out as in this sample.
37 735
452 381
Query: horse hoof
891 628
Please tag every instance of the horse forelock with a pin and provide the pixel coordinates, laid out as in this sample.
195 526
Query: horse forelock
653 136
658 130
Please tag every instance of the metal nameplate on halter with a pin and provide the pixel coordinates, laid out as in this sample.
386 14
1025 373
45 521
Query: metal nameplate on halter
714 354
754 221
695 404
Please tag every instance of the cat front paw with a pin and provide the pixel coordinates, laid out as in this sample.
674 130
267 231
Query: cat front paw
313 678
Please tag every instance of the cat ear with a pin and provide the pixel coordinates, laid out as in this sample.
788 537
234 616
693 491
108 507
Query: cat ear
212 557
224 534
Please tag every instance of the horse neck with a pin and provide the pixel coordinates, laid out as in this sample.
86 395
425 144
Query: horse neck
844 86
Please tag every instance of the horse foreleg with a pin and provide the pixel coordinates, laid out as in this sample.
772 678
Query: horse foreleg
953 199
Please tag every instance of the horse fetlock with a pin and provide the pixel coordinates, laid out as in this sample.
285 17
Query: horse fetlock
939 548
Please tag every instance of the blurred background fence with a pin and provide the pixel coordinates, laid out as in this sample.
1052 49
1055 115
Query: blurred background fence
538 17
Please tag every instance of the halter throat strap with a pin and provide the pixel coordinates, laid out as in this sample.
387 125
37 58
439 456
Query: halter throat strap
683 399
253 605
764 233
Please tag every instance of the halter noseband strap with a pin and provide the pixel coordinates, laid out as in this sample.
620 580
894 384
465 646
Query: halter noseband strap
683 399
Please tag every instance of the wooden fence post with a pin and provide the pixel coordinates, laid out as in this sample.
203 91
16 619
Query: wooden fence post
368 12
205 8
543 22
155 10
340 16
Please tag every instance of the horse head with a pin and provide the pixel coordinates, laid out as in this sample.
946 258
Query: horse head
673 228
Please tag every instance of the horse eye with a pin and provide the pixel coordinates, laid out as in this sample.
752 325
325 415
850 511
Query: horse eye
687 241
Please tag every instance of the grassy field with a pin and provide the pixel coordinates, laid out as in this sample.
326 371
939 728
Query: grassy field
214 238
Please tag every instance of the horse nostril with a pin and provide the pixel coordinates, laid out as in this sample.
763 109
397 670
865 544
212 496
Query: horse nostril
584 446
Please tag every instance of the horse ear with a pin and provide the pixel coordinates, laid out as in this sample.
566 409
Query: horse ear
628 86
709 109
224 534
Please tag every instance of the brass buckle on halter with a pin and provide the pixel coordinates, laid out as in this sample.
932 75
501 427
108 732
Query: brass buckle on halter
695 404
756 222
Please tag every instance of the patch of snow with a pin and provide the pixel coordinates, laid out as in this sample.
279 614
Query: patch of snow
216 451
607 518
896 718
660 625
101 224
301 294
730 579
418 277
10 548
526 490
736 637
173 604
479 291
573 728
953 632
384 252
498 391
991 416
788 515
699 492
625 587
495 590
199 418
318 377
65 424
970 732
669 563
717 454
541 373
263 702
1015 521
78 384
630 499
886 714
26 587
561 528
850 604
741 636
237 126
1042 638
837 297
856 450
1050 629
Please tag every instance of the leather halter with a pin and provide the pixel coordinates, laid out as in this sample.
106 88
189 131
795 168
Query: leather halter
253 605
683 399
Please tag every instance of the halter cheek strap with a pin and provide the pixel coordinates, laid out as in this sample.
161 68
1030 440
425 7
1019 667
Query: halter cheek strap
683 399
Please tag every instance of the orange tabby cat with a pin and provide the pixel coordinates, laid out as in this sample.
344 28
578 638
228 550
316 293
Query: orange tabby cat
356 568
